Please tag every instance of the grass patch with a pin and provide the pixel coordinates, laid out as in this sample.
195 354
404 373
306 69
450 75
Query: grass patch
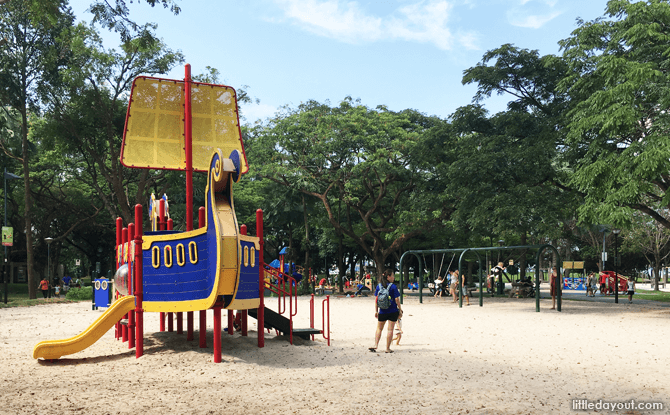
17 296
662 296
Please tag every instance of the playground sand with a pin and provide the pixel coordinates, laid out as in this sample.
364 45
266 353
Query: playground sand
503 358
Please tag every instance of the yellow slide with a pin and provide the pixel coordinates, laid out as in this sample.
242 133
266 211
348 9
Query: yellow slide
54 349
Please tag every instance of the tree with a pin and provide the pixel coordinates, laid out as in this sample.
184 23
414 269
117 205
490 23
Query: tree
510 175
619 83
87 116
29 63
652 239
373 162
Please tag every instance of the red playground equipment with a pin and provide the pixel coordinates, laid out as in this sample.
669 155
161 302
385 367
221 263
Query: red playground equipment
216 266
609 277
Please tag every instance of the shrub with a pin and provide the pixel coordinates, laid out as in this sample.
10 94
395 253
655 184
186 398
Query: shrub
80 294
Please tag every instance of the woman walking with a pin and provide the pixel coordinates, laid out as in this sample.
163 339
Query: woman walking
387 308
553 286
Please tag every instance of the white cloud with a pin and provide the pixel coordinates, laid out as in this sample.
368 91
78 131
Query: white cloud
423 22
532 14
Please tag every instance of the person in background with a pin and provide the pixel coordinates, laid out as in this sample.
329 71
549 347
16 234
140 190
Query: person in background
464 288
553 286
67 280
631 289
497 273
603 284
438 286
589 287
44 286
593 282
453 287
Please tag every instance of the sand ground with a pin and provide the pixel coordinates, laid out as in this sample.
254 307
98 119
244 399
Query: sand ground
503 358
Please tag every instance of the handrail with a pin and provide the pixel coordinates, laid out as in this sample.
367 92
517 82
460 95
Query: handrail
323 318
280 290
311 314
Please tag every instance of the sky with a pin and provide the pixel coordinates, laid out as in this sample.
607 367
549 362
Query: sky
401 54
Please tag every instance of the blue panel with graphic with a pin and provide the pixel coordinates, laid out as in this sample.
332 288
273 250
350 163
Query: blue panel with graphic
574 283
101 292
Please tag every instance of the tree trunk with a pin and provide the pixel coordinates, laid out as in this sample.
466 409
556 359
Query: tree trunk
657 268
307 245
32 290
522 260
340 264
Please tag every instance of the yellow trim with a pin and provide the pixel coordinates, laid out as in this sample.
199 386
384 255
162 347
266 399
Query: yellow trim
244 304
167 258
155 259
147 240
246 256
253 257
253 239
195 252
181 260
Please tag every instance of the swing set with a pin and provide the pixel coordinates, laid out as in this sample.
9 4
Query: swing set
420 257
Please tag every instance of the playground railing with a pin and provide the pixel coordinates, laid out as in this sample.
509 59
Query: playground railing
325 312
281 290
325 317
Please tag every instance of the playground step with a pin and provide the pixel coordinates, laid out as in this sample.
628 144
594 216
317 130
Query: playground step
278 322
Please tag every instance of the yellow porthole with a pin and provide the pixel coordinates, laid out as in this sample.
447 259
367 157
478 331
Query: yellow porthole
181 255
246 256
155 257
193 252
168 255
253 257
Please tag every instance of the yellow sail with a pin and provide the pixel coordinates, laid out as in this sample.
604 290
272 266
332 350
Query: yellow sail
154 133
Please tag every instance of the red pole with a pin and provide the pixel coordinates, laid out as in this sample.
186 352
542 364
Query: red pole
189 314
261 280
119 227
231 322
139 292
244 315
188 147
217 334
161 227
180 316
131 287
203 313
124 239
189 326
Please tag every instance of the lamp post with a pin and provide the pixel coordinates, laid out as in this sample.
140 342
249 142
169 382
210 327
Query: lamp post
616 263
605 231
9 176
501 285
48 241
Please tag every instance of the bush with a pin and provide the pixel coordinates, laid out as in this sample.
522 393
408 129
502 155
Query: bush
80 294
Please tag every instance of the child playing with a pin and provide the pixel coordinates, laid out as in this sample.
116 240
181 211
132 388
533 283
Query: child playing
631 289
398 332
438 286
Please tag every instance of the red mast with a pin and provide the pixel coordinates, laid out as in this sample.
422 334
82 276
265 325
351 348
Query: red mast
188 148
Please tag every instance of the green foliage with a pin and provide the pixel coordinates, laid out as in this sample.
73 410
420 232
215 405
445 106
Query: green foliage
369 169
620 88
80 294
